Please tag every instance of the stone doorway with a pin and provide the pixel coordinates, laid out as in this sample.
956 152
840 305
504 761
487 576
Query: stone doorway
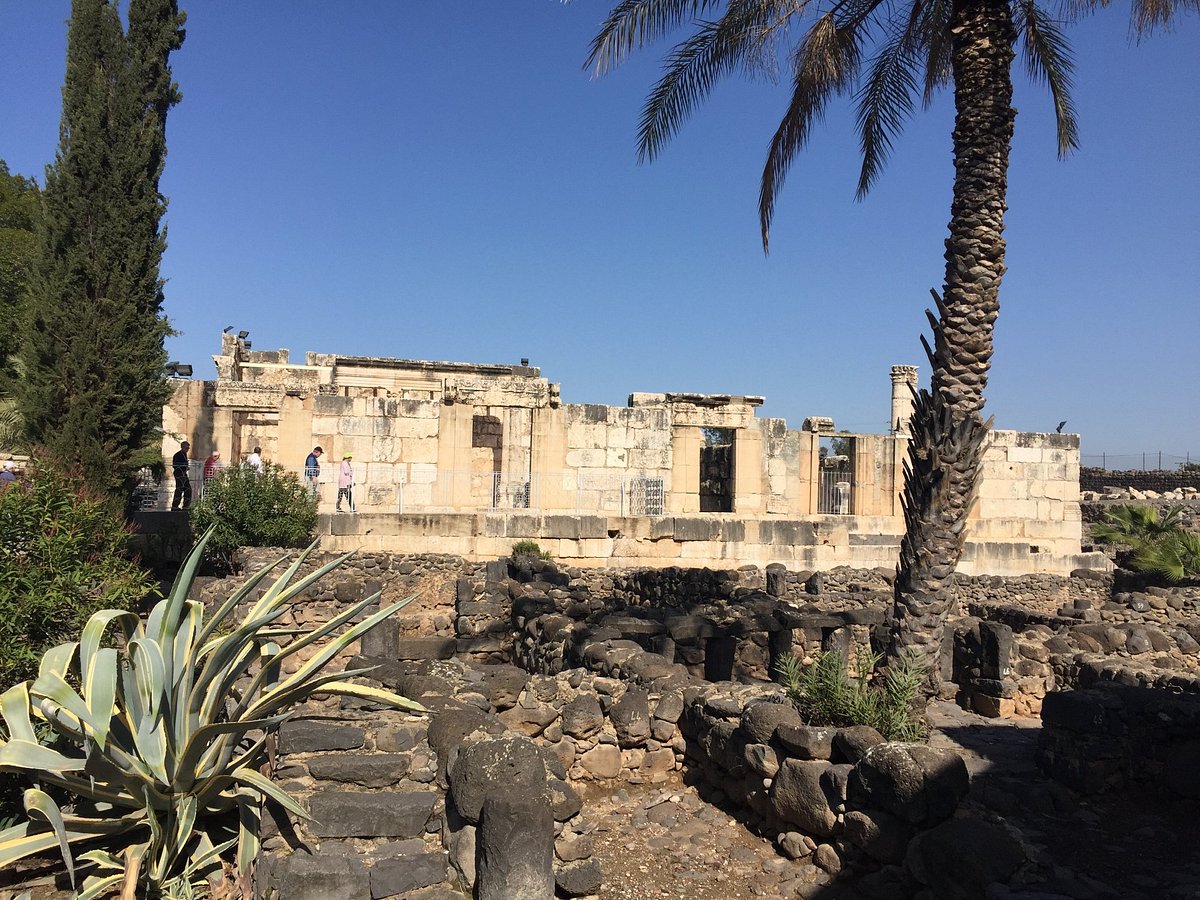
716 470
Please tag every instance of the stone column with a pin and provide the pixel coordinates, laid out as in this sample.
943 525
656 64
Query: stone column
904 382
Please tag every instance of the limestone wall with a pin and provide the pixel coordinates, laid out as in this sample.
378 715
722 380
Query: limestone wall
465 459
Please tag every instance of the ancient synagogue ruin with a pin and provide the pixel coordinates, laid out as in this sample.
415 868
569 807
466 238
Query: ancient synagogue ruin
465 459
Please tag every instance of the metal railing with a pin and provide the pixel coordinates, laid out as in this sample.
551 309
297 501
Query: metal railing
419 487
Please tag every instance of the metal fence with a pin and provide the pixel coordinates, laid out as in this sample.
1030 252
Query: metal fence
1139 460
425 488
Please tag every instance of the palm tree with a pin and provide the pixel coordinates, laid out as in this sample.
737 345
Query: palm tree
915 48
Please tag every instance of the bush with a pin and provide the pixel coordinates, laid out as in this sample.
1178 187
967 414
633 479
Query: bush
826 694
62 558
160 735
248 509
529 548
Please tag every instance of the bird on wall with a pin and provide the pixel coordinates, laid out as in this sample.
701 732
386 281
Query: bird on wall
1061 424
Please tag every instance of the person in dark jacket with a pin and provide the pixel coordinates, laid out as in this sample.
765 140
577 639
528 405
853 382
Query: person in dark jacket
312 470
183 485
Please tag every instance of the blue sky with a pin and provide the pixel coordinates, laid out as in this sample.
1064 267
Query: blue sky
444 181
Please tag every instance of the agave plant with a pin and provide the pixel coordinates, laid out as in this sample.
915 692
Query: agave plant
158 740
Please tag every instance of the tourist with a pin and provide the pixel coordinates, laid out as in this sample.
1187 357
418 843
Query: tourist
346 484
8 473
312 470
254 460
183 485
210 466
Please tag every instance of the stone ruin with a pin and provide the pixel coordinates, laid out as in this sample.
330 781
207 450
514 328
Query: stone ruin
548 684
551 687
464 458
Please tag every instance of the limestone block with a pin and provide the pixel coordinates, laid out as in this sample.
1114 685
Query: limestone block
649 460
325 424
615 458
422 473
586 458
415 428
355 425
417 496
377 473
1024 454
419 451
385 449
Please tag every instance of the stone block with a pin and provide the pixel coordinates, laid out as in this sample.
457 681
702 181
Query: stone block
400 875
303 877
515 858
307 736
370 770
340 814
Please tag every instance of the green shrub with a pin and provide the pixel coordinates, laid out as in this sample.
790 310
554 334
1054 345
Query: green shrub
529 548
248 509
1136 526
826 694
62 558
1175 556
160 738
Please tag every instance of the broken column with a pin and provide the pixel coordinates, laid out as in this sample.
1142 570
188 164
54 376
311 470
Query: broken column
904 382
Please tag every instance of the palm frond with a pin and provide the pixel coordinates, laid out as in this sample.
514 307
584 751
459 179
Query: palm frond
1049 61
1151 15
1175 557
636 23
929 32
692 68
884 104
826 63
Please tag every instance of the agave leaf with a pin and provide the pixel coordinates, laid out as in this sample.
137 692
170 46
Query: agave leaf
14 706
264 785
336 645
223 611
101 859
282 590
151 743
229 649
100 689
93 633
199 742
363 692
28 838
17 756
99 886
38 805
249 828
207 698
150 671
291 692
134 854
165 614
58 660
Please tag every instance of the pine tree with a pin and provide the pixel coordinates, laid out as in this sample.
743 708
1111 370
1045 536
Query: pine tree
92 346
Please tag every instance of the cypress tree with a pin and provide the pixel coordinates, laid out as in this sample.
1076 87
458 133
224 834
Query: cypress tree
92 345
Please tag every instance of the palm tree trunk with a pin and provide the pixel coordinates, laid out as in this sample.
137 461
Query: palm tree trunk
947 427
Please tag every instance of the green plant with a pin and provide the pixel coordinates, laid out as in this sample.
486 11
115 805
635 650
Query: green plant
246 508
161 736
529 548
1136 526
1175 556
62 558
826 694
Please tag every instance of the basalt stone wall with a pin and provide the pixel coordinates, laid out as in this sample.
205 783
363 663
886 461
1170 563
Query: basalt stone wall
832 797
1116 736
1099 480
450 801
